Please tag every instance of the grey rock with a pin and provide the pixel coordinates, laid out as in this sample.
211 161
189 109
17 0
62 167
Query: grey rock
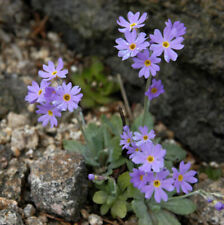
34 221
16 120
29 210
12 180
12 95
193 104
58 183
206 213
5 156
10 216
95 219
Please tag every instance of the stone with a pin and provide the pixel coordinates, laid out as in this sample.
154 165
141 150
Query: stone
192 105
12 180
10 216
206 213
17 120
29 210
34 221
12 95
58 183
95 219
5 156
24 137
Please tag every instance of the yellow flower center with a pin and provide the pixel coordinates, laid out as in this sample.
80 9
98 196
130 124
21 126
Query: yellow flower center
156 183
55 72
147 62
39 92
137 149
180 177
132 46
154 90
141 177
50 113
128 140
145 137
150 159
132 25
67 97
166 44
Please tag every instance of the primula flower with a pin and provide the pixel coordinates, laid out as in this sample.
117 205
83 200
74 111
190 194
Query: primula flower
50 113
143 136
50 94
68 97
36 92
151 157
183 177
50 72
134 21
126 137
155 89
133 44
146 63
133 149
177 28
157 184
165 44
138 178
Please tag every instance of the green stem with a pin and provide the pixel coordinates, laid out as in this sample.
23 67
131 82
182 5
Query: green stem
146 102
187 195
81 122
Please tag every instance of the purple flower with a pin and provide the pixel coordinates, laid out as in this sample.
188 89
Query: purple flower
183 177
50 112
126 137
166 44
151 157
143 136
219 206
36 92
177 28
68 97
91 176
157 184
146 63
50 94
134 21
133 149
133 44
50 72
138 178
155 89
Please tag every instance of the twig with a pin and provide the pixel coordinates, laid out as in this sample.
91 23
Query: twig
109 221
124 96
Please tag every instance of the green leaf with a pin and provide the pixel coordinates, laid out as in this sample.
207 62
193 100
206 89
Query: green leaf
119 209
163 217
180 206
174 152
133 192
124 180
138 121
213 173
141 212
104 209
73 146
100 197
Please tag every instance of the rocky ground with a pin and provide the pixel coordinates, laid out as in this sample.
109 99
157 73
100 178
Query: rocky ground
40 183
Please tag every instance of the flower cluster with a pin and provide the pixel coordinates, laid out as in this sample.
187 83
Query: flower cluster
151 176
146 51
52 97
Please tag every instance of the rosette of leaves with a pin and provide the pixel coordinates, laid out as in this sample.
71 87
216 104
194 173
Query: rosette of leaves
117 196
96 87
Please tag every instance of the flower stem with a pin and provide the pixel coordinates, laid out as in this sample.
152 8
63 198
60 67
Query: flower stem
187 195
81 122
146 102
